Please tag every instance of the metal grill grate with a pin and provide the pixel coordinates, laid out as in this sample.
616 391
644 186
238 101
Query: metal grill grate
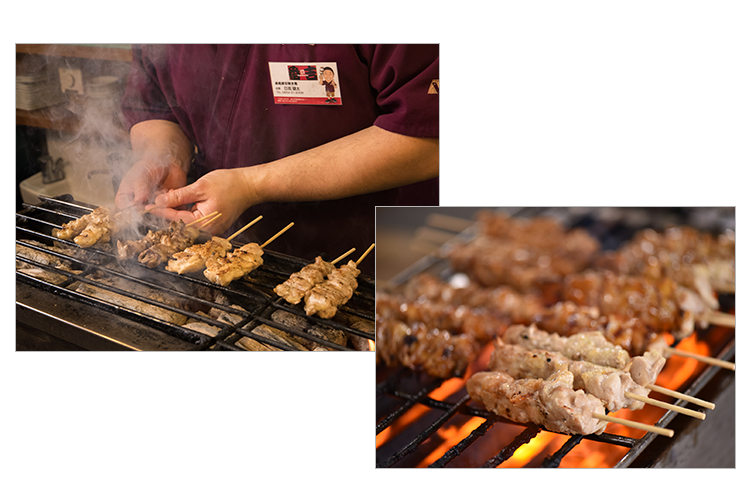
179 294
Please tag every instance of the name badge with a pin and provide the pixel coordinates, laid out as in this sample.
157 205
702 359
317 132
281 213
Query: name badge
305 83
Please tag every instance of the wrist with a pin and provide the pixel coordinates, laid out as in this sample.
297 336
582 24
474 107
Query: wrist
251 184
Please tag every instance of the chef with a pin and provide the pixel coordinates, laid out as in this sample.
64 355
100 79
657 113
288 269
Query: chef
249 130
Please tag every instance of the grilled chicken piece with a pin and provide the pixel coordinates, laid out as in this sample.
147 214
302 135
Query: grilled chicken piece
606 383
87 230
660 304
193 259
418 347
325 298
484 325
177 238
552 403
527 254
236 264
589 346
502 300
127 250
699 261
296 287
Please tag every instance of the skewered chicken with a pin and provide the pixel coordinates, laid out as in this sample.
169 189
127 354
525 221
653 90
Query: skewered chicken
590 346
326 297
523 253
88 229
493 262
302 282
567 318
193 258
482 324
426 292
661 304
235 265
693 259
552 403
503 300
608 384
127 250
177 238
418 347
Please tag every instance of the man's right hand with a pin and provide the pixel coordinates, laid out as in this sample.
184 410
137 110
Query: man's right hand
146 180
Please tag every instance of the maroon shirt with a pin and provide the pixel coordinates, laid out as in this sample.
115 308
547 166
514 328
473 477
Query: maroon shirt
221 97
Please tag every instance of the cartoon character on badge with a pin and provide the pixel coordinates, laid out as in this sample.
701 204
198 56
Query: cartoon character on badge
326 78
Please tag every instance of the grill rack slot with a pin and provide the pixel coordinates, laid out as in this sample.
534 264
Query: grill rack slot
35 222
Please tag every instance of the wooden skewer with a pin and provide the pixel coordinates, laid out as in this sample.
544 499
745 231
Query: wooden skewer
679 395
365 254
433 235
720 319
211 220
202 218
699 357
666 406
342 256
635 425
246 226
448 222
147 211
425 248
277 234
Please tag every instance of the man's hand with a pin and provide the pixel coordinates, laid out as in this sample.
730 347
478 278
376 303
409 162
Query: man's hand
228 192
163 152
145 180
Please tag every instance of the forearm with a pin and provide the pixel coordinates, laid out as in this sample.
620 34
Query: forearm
161 141
364 162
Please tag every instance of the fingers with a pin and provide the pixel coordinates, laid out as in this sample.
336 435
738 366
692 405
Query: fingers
179 197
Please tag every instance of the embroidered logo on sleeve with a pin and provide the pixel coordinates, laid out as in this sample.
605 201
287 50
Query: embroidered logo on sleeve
434 87
305 83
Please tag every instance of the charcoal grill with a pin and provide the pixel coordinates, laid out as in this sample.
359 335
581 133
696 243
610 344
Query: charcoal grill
55 316
490 440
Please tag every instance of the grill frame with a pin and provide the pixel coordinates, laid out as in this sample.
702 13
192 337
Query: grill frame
253 293
389 387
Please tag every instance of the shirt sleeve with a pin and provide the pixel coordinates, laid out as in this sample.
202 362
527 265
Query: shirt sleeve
403 77
144 99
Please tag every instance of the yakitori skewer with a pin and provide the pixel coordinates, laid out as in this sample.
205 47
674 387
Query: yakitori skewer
551 403
236 264
202 218
326 297
299 284
705 359
615 387
193 259
178 238
593 347
679 395
635 425
666 406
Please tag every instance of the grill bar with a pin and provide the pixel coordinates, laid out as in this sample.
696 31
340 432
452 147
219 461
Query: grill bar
171 293
527 435
422 437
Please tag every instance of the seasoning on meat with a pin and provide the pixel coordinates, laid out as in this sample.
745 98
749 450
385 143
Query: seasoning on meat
177 238
438 353
611 385
326 297
551 403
